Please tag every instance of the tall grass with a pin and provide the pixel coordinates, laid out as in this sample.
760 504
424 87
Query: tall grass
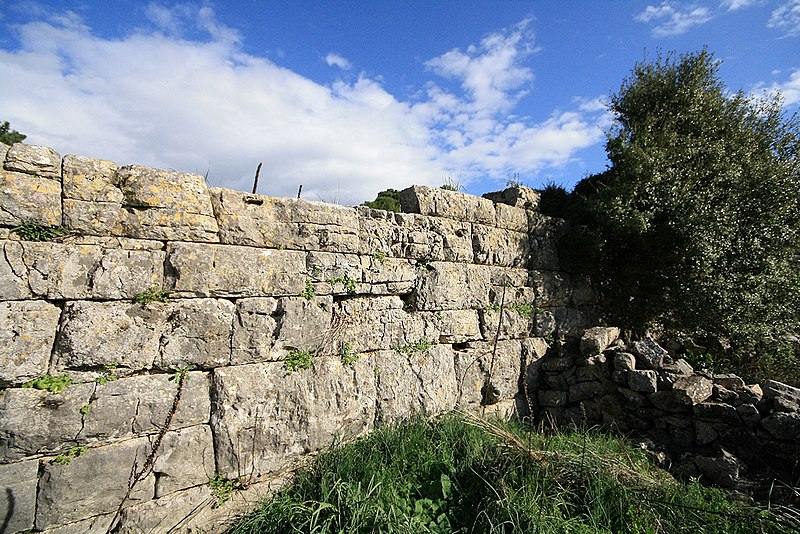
464 475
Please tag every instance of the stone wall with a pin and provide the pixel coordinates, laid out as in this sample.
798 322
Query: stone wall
119 412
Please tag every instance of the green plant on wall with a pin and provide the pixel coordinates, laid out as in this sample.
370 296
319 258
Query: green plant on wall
222 488
348 284
308 293
53 384
418 346
347 354
67 457
154 294
298 359
37 232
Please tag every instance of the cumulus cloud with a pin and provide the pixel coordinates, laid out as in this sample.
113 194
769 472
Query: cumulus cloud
786 18
789 90
335 60
157 97
735 5
672 19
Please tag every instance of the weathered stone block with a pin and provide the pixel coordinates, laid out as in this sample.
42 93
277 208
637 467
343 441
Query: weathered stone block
544 254
518 196
596 340
25 198
751 394
649 354
624 361
388 276
381 323
455 326
717 412
749 414
266 328
497 246
140 405
475 365
92 218
262 416
332 273
232 271
694 389
185 459
18 495
642 381
785 398
452 286
33 159
515 323
27 331
261 221
65 496
552 398
585 390
729 381
723 470
89 179
512 218
449 204
197 335
33 421
782 425
73 271
551 288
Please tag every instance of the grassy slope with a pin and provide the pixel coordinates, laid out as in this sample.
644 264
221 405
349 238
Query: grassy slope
464 475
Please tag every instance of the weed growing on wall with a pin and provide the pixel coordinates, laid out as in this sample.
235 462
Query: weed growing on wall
154 294
53 384
380 257
347 354
67 457
348 284
308 293
37 232
418 346
299 359
222 488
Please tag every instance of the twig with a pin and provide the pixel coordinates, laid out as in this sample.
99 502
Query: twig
299 190
255 182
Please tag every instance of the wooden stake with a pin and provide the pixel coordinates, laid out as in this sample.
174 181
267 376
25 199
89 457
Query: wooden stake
299 190
255 182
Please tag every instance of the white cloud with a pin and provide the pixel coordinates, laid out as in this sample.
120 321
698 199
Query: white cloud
789 90
671 20
156 97
787 18
735 5
335 60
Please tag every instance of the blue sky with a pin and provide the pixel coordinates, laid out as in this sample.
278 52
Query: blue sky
349 98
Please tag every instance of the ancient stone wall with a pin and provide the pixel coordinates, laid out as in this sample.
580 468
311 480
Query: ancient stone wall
127 409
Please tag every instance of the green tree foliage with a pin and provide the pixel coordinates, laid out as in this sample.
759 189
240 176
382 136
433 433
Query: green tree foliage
388 200
9 136
696 224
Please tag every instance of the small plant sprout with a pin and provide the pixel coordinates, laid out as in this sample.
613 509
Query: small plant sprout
53 384
85 409
451 184
411 348
106 377
36 232
379 256
492 308
182 373
154 294
347 354
308 293
67 457
348 284
222 488
298 359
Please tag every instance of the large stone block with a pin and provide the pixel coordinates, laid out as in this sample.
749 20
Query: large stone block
89 179
497 246
512 218
197 334
340 274
140 405
518 196
267 328
513 322
455 326
18 495
27 331
543 254
161 204
448 204
595 340
479 365
94 483
381 323
26 198
92 218
33 159
33 421
263 416
261 221
233 271
185 459
453 286
782 425
785 398
76 271
388 276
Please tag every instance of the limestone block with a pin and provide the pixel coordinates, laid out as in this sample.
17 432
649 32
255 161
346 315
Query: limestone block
545 226
205 270
749 414
785 398
437 380
717 412
99 524
751 394
339 274
381 323
26 198
695 389
89 179
642 381
544 323
34 159
197 335
571 322
3 151
448 204
518 196
729 381
516 323
94 483
33 421
512 218
649 354
161 204
624 361
18 495
723 470
263 416
266 328
139 405
496 246
398 390
122 334
475 365
455 326
782 425
388 276
597 339
261 221
551 288
72 271
27 331
185 459
452 286
92 218
585 390
543 254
